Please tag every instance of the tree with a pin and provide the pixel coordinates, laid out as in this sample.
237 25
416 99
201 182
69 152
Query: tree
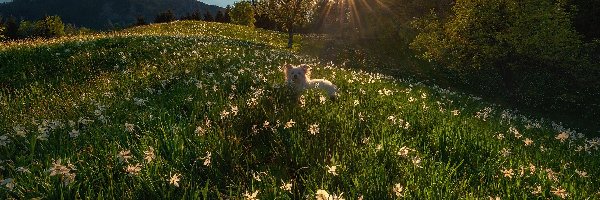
219 17
208 17
290 14
165 17
242 13
51 26
514 47
140 21
12 28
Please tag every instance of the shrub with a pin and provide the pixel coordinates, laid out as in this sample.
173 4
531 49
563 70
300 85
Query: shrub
526 50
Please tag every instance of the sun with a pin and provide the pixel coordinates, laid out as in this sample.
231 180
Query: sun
349 13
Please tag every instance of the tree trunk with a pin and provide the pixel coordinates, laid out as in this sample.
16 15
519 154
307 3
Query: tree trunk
290 38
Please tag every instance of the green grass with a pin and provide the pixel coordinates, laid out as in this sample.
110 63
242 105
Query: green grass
163 97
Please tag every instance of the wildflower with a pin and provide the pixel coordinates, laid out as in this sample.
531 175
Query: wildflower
500 136
322 195
379 147
129 127
8 183
528 141
252 196
207 159
560 192
256 176
200 131
20 131
65 172
398 190
411 99
234 110
149 155
332 169
515 131
302 101
508 173
337 197
74 133
224 114
581 174
133 169
456 112
23 170
289 124
4 140
124 156
43 137
356 102
266 124
505 152
174 180
552 175
537 190
531 168
322 99
313 129
562 136
286 186
139 101
416 161
404 151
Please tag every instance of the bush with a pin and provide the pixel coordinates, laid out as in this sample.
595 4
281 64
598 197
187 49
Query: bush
49 27
242 14
165 17
525 50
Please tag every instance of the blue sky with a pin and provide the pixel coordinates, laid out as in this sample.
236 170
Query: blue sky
221 3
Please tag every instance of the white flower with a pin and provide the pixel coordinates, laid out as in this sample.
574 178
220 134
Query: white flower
398 190
286 186
200 131
252 196
207 159
23 170
562 136
129 127
289 124
133 169
456 112
8 183
581 174
560 192
74 133
404 151
313 129
332 170
174 180
322 195
528 141
4 140
124 156
20 131
149 154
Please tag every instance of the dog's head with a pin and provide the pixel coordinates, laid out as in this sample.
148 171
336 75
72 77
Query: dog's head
296 74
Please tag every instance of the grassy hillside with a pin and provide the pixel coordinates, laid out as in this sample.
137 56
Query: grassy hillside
198 110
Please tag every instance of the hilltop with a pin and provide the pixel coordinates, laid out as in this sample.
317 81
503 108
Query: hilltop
197 110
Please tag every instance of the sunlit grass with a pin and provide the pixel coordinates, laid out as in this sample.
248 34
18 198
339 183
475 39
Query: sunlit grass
199 110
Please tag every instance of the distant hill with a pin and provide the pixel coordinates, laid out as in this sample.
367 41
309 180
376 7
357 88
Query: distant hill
101 14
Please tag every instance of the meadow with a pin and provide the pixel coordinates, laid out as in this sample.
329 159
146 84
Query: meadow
197 110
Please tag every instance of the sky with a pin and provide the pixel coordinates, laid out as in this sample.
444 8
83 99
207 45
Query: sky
221 3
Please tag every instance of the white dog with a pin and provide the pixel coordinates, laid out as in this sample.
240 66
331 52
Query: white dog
299 78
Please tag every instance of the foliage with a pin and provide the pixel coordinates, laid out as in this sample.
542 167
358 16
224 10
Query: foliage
195 110
140 21
208 17
242 13
524 50
12 28
288 14
49 27
196 15
165 17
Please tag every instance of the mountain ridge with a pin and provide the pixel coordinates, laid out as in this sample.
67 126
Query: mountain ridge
101 14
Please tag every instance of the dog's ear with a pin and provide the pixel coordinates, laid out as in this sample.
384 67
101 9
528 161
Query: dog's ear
305 67
287 67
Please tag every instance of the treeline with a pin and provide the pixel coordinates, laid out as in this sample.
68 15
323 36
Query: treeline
53 26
